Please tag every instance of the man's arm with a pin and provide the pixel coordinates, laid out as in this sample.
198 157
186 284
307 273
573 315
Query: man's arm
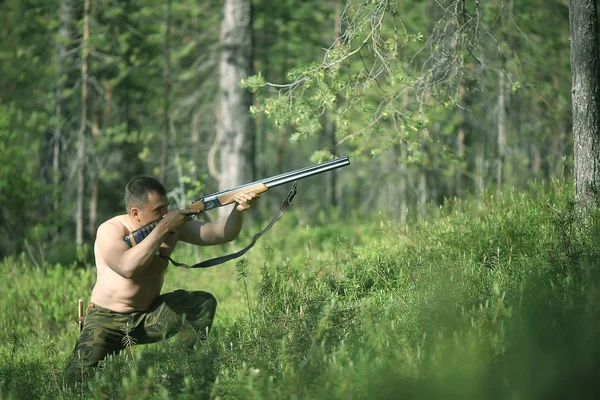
124 260
208 234
129 261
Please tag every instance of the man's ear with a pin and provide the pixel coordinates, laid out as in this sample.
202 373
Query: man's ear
135 213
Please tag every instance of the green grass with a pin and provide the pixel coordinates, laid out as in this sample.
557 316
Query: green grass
486 299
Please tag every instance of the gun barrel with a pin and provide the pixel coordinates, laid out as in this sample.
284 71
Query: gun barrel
214 200
306 172
282 179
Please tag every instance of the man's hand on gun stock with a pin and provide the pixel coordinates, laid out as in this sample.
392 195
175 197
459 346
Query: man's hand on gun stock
245 201
174 220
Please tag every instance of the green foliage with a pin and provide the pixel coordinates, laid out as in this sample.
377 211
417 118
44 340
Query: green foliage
20 188
409 89
492 299
41 305
489 298
363 79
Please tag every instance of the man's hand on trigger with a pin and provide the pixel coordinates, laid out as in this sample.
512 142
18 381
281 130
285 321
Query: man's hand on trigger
245 201
174 220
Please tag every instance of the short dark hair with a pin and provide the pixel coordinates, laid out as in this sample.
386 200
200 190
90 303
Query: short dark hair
138 189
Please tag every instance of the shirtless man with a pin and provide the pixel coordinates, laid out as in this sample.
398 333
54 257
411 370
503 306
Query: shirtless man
127 296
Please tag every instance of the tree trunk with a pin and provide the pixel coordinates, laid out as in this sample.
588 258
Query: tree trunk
166 95
403 184
502 131
64 37
94 176
536 160
583 19
422 191
480 165
503 93
460 155
236 128
330 127
83 125
465 137
93 211
422 184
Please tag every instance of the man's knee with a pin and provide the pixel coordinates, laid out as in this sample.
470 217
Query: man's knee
205 301
83 359
203 306
212 303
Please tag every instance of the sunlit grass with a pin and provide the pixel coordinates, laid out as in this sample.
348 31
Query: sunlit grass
486 299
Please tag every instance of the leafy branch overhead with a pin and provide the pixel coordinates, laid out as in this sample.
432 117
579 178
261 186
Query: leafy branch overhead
379 77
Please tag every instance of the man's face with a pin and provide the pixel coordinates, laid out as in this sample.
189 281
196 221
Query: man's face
154 209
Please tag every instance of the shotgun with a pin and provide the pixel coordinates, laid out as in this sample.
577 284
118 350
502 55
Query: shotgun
226 197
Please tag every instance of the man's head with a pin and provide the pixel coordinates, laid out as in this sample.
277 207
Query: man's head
145 199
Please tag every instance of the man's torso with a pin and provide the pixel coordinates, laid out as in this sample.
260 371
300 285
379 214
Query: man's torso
117 293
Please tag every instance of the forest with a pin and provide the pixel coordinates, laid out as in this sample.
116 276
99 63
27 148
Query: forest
432 100
455 257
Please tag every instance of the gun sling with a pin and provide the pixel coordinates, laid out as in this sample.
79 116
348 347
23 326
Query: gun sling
287 202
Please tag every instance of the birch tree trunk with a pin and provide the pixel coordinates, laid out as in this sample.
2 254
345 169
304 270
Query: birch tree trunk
80 160
583 19
236 128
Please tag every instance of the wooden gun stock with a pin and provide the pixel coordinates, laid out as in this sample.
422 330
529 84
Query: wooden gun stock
228 198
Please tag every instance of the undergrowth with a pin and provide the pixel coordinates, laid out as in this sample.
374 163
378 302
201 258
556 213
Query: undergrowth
490 299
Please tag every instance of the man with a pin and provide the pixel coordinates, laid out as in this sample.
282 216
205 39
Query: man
126 304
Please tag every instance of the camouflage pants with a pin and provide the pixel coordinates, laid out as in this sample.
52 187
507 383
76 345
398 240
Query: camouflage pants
107 332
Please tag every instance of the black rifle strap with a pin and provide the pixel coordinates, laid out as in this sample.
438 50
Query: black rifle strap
287 202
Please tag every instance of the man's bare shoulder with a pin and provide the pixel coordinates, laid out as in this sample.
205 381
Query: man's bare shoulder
114 225
109 236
